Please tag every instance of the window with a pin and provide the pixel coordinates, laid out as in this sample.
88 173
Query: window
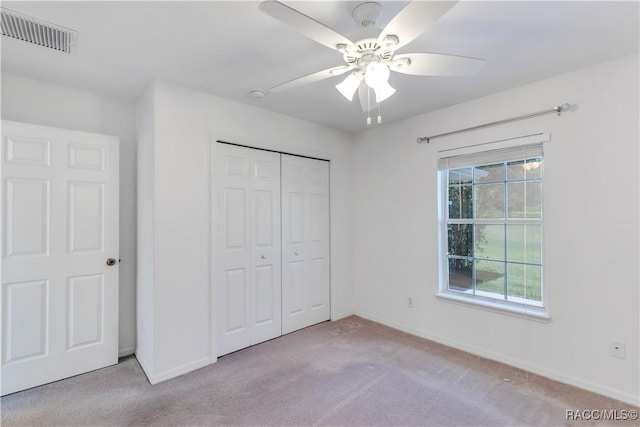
492 218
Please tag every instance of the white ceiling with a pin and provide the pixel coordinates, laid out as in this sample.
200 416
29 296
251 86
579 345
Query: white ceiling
228 48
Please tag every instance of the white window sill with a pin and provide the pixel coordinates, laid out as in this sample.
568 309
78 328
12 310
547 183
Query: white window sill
524 312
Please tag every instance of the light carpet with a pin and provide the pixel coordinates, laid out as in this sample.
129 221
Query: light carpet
350 372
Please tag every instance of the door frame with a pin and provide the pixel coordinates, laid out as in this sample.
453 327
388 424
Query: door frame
214 140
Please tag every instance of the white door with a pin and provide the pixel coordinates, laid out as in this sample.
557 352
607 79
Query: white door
305 242
247 238
59 226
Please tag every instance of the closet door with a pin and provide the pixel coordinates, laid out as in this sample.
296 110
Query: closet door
305 242
247 269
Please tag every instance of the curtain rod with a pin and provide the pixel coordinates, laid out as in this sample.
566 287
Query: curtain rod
559 109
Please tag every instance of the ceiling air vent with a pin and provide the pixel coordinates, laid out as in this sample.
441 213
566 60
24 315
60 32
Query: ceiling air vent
36 31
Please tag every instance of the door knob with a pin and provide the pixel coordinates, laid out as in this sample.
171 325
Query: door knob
111 261
296 253
263 257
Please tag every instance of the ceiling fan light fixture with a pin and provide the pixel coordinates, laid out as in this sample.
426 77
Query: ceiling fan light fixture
383 91
376 74
349 86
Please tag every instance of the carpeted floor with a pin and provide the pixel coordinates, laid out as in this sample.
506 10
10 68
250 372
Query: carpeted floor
349 372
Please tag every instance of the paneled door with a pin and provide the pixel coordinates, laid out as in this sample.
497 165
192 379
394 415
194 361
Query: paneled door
305 242
59 254
247 261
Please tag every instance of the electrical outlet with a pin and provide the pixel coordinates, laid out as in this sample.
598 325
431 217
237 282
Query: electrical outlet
616 349
410 302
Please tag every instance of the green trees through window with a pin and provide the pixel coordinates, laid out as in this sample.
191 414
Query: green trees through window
494 230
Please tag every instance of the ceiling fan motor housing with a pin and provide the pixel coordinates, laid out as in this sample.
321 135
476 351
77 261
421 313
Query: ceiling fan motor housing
367 51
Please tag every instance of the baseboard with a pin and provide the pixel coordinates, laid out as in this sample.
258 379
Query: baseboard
342 315
142 360
177 371
536 369
126 351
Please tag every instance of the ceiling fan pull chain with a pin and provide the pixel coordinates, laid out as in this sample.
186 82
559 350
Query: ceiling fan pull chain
379 115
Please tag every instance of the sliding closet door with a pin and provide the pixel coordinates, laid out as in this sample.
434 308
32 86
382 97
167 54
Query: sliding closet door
305 242
247 272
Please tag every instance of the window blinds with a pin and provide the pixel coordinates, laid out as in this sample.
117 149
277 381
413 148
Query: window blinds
493 152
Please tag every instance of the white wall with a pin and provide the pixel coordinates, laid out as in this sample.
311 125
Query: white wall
146 225
33 101
590 228
184 122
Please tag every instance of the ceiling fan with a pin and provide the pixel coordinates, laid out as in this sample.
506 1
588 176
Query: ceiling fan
370 60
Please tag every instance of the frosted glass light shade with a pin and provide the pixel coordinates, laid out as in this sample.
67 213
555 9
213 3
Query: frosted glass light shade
383 91
376 77
376 74
349 86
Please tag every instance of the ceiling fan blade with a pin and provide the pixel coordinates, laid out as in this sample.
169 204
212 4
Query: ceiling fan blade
367 99
304 24
311 78
435 64
415 19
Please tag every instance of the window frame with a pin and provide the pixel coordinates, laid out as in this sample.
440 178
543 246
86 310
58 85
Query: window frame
528 309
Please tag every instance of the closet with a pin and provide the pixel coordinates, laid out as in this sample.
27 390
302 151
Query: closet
271 244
